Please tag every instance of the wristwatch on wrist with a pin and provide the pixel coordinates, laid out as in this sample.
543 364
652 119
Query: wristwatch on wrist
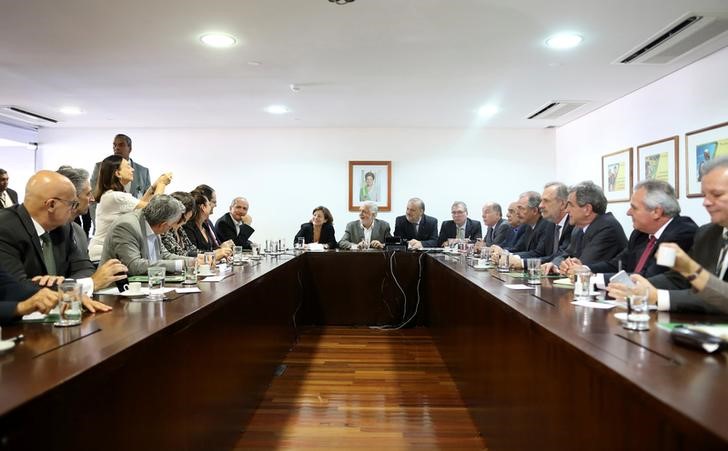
694 275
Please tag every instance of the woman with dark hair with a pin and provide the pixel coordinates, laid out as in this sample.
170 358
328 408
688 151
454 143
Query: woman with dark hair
176 240
115 173
209 193
199 235
320 229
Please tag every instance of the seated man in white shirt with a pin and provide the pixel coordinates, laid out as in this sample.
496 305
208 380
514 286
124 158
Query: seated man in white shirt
134 237
367 231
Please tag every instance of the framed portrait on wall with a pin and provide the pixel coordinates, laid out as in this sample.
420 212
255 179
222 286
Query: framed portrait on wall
370 181
617 175
658 160
701 146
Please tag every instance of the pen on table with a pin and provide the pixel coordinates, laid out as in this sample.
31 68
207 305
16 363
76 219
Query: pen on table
16 338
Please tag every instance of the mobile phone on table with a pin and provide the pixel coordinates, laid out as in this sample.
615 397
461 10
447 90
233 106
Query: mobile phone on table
623 278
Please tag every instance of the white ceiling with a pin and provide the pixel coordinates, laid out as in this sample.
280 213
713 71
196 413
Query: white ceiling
371 63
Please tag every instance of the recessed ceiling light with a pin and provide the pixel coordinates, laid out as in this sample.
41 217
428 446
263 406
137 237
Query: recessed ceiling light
277 109
564 40
254 63
71 110
218 40
487 111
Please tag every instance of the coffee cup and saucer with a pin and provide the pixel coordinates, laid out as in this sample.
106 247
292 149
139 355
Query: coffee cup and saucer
134 289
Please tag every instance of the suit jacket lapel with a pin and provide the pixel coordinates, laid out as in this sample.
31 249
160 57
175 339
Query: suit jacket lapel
376 226
357 234
418 229
531 232
30 230
576 238
143 229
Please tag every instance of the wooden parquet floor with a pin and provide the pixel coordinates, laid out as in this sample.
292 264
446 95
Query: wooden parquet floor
352 388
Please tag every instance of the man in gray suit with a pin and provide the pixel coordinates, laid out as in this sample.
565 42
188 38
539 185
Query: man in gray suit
367 230
134 236
671 290
141 182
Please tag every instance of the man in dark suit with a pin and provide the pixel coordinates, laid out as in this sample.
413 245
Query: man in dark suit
538 235
656 218
670 290
499 231
8 197
36 240
18 299
553 209
415 226
460 228
235 225
597 235
514 222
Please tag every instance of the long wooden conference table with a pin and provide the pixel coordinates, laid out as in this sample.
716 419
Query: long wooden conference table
535 371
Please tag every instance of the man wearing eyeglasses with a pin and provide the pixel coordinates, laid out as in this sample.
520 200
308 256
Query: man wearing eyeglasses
36 242
460 228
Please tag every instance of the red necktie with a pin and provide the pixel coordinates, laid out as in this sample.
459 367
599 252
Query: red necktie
646 254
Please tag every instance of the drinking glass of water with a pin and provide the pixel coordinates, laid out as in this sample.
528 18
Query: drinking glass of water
69 304
238 255
156 282
639 316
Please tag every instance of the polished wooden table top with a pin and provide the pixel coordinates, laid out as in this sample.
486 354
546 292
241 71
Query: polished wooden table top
49 355
690 382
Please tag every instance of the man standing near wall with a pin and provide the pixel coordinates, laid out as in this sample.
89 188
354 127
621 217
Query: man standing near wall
8 197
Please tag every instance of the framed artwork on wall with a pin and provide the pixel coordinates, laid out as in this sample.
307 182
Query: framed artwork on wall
658 160
617 175
701 146
370 181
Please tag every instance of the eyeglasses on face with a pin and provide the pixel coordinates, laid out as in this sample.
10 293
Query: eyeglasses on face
72 204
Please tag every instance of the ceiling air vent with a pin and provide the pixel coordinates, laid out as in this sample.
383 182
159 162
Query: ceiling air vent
20 115
677 39
556 109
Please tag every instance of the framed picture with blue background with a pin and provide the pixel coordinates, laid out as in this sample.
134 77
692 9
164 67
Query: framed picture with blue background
701 146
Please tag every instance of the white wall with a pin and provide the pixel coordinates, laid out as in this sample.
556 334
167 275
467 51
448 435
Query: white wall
20 164
19 161
285 173
687 100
